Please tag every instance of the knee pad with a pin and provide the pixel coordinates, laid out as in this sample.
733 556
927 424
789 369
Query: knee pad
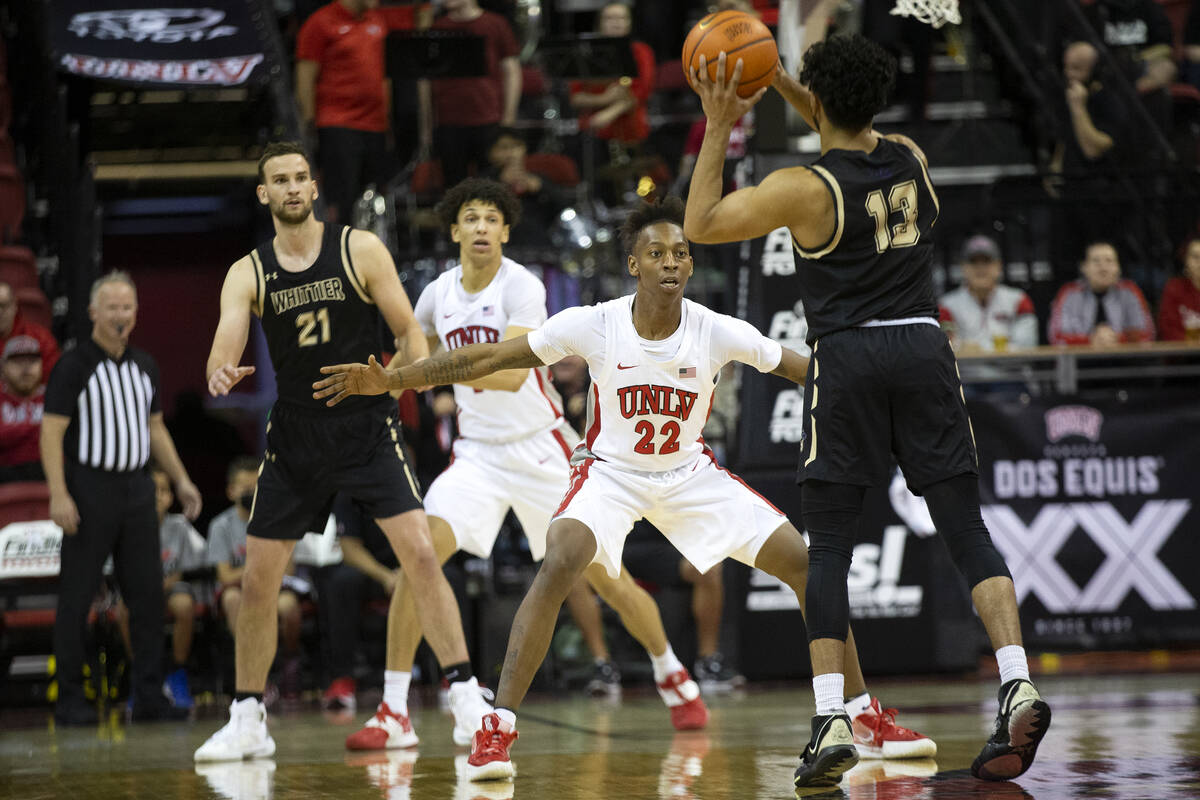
831 514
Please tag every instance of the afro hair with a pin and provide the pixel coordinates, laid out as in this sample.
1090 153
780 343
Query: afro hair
489 191
852 76
669 209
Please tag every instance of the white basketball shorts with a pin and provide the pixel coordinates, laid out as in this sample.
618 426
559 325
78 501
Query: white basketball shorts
706 511
483 481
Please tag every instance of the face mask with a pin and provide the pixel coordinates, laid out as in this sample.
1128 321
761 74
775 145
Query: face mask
246 500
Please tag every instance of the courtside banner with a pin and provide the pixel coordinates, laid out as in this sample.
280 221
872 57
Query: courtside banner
158 42
1094 506
772 415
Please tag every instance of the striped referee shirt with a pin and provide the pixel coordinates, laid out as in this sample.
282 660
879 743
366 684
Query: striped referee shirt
110 402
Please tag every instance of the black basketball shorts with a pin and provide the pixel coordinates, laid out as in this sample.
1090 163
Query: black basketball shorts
880 395
311 456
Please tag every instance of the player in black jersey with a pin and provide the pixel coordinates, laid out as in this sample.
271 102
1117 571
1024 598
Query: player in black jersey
882 380
319 291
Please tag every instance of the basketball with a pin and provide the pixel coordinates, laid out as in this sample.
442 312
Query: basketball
740 35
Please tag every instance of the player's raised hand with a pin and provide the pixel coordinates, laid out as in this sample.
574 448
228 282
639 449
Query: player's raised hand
719 97
224 377
347 379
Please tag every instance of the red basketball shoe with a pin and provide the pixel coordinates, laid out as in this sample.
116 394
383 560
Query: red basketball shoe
386 730
489 759
876 735
682 696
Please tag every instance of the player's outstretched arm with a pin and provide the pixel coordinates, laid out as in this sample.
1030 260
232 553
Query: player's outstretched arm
792 366
238 299
457 366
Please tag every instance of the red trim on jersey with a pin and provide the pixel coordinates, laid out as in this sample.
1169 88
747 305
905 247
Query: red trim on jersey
708 452
562 442
578 476
594 431
541 384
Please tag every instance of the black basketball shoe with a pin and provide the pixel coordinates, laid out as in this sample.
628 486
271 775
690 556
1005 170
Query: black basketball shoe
830 753
1023 720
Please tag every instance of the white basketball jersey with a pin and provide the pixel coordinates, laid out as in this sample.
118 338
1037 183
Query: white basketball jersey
645 414
515 296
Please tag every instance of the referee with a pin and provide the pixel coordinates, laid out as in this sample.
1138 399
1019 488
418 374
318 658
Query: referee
103 422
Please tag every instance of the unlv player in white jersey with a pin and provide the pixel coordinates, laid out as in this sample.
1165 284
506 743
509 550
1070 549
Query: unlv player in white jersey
512 452
653 358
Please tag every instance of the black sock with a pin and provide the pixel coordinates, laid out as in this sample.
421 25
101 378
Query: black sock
240 696
455 673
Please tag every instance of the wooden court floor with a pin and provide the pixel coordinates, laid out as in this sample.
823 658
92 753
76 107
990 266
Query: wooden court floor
1121 737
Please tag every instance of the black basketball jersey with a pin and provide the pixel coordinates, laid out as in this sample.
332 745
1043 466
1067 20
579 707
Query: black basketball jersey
320 316
876 265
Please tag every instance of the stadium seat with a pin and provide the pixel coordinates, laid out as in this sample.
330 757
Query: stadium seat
24 501
17 267
554 166
34 306
12 202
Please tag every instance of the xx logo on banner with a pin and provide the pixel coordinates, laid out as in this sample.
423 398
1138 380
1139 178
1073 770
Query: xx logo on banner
1130 551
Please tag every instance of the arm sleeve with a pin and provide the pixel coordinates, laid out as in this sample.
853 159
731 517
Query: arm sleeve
573 331
506 42
525 302
311 41
62 390
1170 323
738 340
1024 328
424 310
219 550
643 85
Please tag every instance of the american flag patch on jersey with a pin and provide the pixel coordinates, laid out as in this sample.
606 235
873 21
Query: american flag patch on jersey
687 372
488 310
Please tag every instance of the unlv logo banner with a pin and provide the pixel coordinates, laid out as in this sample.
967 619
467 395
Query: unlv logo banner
1094 506
158 42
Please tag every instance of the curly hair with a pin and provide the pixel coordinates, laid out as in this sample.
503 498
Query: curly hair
276 149
483 189
852 76
668 209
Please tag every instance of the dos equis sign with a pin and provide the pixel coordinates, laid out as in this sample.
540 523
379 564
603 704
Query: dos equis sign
1094 507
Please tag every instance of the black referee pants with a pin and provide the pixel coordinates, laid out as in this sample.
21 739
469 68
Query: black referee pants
117 516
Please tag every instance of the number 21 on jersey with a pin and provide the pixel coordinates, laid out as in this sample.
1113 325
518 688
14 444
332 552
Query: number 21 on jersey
308 322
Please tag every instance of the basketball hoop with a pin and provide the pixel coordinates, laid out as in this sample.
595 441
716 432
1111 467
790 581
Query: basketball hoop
932 12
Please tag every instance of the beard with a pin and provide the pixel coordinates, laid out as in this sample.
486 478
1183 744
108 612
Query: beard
289 217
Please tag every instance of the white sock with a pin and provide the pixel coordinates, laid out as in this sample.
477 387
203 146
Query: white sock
664 665
508 717
828 689
857 705
395 690
1012 662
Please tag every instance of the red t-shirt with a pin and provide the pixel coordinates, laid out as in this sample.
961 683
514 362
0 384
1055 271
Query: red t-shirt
20 427
1179 310
350 86
634 125
50 351
475 101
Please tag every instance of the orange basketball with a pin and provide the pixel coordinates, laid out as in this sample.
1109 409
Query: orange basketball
740 35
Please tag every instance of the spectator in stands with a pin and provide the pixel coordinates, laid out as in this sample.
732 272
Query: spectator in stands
13 324
1090 157
459 116
343 93
182 549
1138 34
542 200
1179 311
616 110
227 554
368 572
102 424
984 314
1100 308
22 400
570 376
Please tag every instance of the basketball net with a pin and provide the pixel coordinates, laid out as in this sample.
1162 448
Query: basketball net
932 12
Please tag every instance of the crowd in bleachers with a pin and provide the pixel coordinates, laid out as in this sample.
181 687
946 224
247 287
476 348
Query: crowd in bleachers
365 130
